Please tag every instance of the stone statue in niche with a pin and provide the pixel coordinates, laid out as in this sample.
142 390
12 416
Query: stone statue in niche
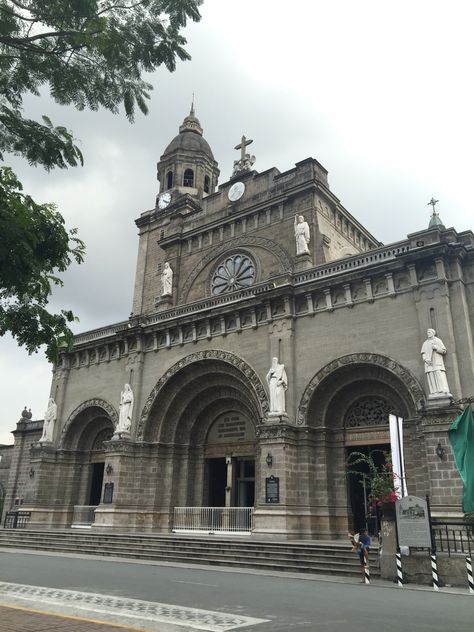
125 410
301 235
277 384
49 422
432 353
167 280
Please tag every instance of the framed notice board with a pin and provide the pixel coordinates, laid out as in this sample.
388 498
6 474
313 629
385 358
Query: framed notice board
272 489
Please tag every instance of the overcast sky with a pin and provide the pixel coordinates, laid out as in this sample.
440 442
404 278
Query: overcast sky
381 93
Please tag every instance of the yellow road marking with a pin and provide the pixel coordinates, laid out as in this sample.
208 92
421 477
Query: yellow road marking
70 616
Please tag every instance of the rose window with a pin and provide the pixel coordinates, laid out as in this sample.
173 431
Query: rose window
234 273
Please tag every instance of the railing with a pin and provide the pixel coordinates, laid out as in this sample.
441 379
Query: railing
83 516
102 332
454 537
17 519
360 260
209 303
213 520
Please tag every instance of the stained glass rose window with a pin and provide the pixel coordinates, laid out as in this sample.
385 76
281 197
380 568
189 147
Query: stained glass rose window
234 273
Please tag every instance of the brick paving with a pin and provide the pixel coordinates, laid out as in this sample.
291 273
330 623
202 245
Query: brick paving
19 620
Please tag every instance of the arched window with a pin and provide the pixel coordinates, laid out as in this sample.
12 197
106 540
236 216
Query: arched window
207 184
169 179
188 179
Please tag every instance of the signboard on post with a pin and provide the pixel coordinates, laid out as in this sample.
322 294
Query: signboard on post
413 522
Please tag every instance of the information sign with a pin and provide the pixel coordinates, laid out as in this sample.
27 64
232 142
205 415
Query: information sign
272 489
413 522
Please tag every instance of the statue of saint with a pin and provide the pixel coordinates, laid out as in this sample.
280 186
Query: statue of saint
49 422
125 410
167 280
301 235
277 383
432 353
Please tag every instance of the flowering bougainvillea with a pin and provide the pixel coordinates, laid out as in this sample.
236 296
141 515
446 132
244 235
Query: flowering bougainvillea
379 480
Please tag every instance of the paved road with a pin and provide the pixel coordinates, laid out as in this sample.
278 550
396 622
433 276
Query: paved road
286 603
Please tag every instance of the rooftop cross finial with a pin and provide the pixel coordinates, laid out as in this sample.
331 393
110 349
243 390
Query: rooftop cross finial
433 203
435 218
242 145
246 160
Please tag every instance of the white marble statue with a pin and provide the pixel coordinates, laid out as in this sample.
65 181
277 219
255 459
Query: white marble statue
49 422
432 353
301 235
167 280
125 410
277 383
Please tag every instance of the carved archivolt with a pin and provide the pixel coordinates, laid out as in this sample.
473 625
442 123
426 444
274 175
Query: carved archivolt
212 354
109 411
240 242
373 359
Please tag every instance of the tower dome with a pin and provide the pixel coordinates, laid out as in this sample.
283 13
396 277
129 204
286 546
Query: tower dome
187 166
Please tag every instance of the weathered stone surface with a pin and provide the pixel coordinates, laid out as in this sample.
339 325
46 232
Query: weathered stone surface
348 323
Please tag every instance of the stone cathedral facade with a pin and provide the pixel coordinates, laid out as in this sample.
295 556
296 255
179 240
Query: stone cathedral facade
222 287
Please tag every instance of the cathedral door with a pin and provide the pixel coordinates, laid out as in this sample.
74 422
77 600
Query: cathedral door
363 515
245 482
230 458
97 479
217 477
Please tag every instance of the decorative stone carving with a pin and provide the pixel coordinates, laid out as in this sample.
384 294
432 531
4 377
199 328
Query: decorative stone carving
277 381
49 422
26 414
211 354
104 435
125 411
234 273
109 411
271 432
368 412
432 353
301 235
167 280
399 371
240 242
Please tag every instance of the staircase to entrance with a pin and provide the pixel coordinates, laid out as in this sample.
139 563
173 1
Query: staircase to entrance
324 558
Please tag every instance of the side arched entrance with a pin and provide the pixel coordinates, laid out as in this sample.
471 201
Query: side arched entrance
69 479
346 406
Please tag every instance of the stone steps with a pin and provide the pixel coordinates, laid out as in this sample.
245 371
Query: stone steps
312 557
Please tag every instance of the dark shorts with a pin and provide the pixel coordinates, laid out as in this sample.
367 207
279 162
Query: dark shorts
362 558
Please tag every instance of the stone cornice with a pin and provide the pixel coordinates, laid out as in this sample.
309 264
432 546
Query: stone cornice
376 275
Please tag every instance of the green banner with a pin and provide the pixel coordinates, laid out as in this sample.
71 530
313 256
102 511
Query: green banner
461 436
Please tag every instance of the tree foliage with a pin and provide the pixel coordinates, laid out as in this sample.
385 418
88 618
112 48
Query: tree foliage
89 54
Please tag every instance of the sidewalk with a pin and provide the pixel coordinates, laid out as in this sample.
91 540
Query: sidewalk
16 619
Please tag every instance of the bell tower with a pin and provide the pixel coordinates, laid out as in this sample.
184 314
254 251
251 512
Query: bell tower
187 166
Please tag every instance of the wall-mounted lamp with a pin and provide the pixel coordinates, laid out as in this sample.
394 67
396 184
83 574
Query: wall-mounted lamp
109 469
269 460
31 473
440 451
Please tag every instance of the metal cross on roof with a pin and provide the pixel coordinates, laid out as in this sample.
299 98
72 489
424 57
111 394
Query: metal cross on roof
433 203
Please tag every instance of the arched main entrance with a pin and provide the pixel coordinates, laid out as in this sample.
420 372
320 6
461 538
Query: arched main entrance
348 404
202 418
